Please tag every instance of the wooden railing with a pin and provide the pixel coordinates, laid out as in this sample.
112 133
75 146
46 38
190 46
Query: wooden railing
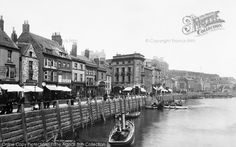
41 125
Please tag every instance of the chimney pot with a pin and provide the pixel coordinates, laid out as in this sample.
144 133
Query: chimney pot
2 23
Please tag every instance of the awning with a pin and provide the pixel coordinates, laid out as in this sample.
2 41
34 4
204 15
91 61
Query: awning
143 90
52 87
11 87
32 89
63 88
170 90
128 89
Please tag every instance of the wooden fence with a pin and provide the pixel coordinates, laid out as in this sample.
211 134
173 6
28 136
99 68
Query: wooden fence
40 125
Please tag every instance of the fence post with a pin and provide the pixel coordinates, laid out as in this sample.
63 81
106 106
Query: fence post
58 117
81 114
121 110
97 110
24 123
129 104
109 100
44 122
90 111
124 105
115 105
71 117
1 140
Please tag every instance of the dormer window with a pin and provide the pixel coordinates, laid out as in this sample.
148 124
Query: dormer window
31 54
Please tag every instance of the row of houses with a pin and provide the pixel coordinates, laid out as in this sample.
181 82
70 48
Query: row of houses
34 60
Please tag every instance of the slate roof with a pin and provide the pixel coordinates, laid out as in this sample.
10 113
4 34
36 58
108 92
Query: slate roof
43 43
6 41
87 61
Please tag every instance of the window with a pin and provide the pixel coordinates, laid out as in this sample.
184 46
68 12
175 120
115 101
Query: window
31 54
64 65
129 69
117 78
123 62
81 77
55 76
46 75
81 66
117 70
117 63
49 62
31 65
52 62
129 61
123 70
75 65
9 56
59 64
10 72
51 77
102 75
129 78
68 65
75 77
45 62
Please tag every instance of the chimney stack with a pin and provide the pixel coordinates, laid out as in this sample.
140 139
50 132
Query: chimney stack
14 35
57 37
86 53
26 27
73 51
96 60
1 23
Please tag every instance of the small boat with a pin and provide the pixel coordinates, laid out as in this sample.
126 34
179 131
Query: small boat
176 107
151 107
133 115
122 134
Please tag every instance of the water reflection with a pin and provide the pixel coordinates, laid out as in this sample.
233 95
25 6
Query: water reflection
207 122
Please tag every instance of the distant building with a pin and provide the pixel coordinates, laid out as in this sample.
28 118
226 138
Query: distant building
127 71
148 77
78 76
10 58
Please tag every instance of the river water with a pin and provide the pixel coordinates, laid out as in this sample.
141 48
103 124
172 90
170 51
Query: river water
207 123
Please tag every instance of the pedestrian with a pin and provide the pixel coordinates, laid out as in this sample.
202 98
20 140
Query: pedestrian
21 101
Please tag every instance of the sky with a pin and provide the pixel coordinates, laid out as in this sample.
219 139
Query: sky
149 27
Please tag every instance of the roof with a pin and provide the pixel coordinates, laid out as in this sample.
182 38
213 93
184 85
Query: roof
43 43
23 47
6 41
87 61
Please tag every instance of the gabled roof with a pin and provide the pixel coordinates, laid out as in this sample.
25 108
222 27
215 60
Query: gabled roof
23 47
43 43
6 41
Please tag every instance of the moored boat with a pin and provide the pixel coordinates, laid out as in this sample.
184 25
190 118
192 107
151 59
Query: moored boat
133 115
176 107
122 134
151 107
